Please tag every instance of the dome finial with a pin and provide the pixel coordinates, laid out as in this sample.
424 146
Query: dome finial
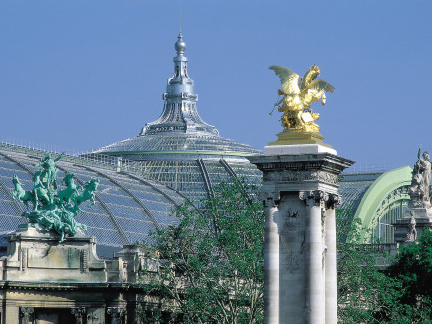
180 46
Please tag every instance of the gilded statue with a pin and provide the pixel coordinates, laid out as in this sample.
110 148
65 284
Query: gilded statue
298 95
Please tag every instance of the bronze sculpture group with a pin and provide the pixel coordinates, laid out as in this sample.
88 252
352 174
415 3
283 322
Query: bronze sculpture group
53 209
298 95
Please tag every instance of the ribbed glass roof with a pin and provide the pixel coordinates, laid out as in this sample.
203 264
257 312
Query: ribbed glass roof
127 207
352 187
188 145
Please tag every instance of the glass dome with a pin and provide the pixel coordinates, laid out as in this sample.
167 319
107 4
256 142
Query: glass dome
179 149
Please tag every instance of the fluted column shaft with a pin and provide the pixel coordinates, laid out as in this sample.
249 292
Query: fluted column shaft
271 264
315 311
331 268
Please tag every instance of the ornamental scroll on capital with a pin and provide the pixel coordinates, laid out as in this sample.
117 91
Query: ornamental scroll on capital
298 95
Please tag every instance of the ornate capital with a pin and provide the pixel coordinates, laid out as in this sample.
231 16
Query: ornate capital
333 201
313 197
271 199
116 313
25 313
79 313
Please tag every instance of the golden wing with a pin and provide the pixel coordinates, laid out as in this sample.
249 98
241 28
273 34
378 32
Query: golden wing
320 84
288 78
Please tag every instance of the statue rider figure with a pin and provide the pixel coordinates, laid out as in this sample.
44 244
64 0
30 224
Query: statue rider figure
49 173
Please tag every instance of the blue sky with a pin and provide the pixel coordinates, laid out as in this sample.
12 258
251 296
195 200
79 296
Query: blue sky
81 74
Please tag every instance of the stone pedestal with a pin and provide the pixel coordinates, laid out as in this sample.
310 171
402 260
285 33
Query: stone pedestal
300 195
35 254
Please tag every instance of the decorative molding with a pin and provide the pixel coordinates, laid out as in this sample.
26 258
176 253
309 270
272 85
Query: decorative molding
24 253
295 176
83 261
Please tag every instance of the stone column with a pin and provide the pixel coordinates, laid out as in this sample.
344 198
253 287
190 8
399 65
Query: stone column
271 259
299 186
331 260
313 259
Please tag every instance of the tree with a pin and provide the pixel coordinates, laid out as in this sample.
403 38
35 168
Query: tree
400 294
365 293
412 268
212 262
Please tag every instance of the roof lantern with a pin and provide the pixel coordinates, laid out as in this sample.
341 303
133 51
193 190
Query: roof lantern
180 112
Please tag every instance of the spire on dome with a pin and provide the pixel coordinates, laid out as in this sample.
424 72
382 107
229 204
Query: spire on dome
179 113
180 46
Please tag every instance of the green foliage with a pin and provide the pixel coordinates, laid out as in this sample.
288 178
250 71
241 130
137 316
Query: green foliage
365 294
213 260
412 268
401 294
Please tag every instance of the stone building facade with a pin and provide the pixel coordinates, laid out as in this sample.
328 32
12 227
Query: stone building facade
44 281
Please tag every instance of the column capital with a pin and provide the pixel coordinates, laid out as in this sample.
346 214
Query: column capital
116 314
25 313
313 197
270 199
79 313
333 201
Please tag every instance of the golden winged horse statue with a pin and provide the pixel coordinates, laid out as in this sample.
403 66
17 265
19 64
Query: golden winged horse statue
298 95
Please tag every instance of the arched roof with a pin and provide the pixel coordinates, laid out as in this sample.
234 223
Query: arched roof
366 196
127 206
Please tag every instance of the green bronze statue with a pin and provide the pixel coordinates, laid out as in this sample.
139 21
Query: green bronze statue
53 209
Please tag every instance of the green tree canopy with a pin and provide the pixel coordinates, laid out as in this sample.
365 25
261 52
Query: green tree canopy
212 262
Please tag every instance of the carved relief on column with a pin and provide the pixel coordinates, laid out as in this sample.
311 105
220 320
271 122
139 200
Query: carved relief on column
26 313
117 314
79 313
323 233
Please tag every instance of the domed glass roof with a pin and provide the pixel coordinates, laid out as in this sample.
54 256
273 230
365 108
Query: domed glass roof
177 146
127 206
181 150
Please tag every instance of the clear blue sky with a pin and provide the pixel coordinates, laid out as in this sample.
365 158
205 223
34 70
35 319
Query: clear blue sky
82 74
